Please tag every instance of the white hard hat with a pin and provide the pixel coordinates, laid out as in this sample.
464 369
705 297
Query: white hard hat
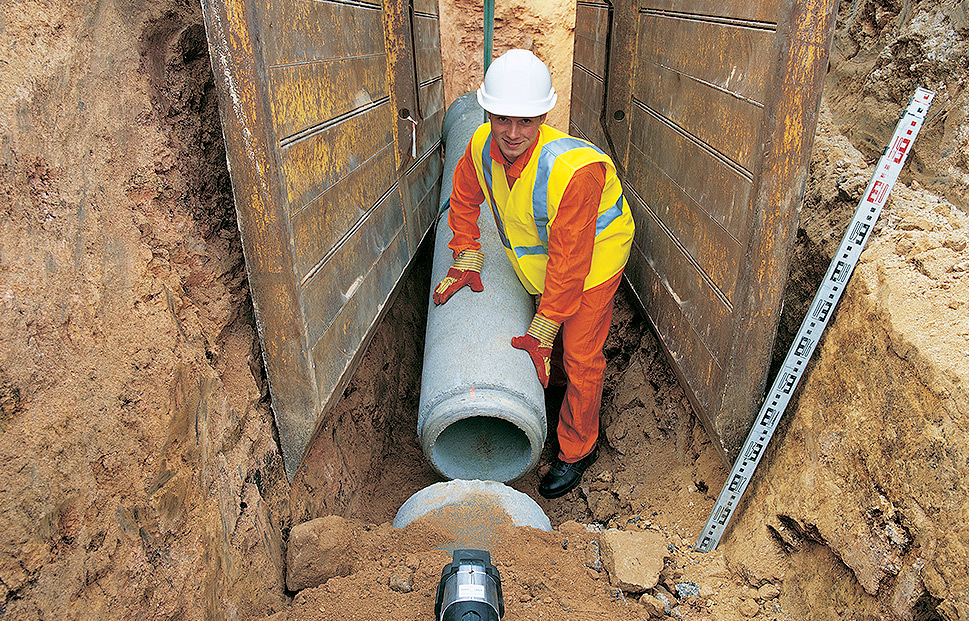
517 84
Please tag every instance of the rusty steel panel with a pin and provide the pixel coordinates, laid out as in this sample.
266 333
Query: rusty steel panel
736 59
790 119
327 289
424 175
424 189
591 36
333 354
428 7
590 93
589 69
427 47
432 110
691 359
332 202
314 163
721 190
586 105
717 118
709 110
402 65
308 94
676 183
321 225
755 10
717 256
295 31
696 296
423 179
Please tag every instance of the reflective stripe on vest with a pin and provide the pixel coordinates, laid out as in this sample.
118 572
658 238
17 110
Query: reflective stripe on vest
540 194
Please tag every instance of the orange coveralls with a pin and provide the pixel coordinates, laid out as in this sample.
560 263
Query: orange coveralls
585 315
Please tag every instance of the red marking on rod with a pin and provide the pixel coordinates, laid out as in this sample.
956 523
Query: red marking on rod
878 192
900 148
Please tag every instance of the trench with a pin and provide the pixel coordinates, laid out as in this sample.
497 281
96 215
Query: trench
367 459
145 478
483 420
655 463
369 443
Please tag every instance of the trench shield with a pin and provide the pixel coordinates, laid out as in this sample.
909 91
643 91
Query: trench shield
331 112
709 109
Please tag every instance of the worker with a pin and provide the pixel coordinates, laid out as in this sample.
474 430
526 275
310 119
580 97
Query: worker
567 230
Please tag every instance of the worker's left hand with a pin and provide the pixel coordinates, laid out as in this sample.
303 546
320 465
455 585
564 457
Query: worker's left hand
538 343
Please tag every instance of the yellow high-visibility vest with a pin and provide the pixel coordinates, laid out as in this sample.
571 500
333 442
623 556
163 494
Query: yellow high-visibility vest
525 212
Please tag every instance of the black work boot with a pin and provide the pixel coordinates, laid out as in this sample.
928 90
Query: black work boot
563 477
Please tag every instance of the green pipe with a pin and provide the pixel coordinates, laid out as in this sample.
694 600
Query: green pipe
489 31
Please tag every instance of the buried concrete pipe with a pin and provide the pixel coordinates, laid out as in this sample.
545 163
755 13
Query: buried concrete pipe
472 514
482 409
472 510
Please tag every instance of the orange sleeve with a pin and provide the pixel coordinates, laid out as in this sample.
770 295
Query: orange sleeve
466 199
571 238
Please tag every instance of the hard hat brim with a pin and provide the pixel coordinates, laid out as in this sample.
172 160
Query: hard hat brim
525 109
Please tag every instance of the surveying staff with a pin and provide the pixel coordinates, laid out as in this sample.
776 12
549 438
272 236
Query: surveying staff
567 230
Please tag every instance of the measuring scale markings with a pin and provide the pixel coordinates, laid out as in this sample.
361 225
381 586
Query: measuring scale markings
827 296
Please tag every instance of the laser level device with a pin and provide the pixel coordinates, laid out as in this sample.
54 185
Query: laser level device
470 589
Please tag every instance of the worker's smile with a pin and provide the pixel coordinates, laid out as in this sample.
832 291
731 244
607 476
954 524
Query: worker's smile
514 134
511 149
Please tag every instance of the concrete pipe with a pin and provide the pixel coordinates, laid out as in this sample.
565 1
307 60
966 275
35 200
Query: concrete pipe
482 409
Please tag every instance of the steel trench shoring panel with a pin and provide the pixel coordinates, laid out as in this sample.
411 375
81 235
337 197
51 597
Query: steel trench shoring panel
334 188
709 110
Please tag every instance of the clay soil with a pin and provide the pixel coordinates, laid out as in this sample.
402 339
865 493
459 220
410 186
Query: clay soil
142 475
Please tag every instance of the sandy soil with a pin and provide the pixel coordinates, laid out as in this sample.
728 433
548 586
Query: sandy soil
137 445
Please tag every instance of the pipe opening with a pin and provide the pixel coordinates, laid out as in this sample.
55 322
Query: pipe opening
483 447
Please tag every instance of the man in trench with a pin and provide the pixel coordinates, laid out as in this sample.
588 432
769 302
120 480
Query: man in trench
567 230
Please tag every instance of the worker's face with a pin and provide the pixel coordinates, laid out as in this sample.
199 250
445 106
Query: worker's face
514 134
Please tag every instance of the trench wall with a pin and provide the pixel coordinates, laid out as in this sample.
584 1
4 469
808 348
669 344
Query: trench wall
866 477
141 476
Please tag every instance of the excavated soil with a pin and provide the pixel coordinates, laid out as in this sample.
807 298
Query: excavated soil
143 477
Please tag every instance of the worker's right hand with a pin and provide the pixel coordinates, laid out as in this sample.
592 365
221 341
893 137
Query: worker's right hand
465 271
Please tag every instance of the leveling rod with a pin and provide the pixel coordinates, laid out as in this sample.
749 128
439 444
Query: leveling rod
843 264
